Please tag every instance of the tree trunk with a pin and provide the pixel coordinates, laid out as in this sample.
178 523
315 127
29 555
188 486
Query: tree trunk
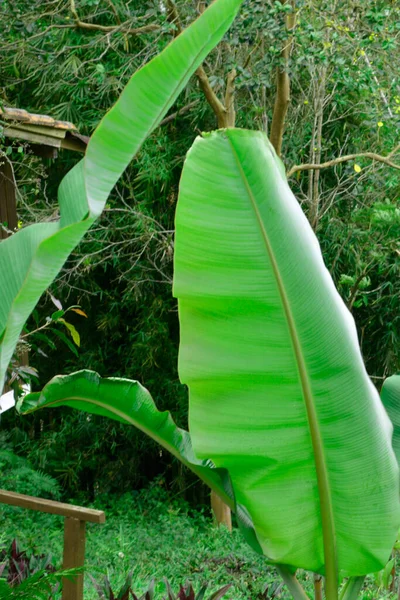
316 147
282 97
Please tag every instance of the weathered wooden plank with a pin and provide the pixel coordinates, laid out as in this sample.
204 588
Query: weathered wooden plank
52 507
33 138
19 114
39 129
71 143
74 557
8 205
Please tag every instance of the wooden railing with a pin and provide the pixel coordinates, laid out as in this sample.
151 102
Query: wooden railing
75 518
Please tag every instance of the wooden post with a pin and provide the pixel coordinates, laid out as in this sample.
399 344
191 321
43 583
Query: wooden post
74 533
8 205
74 557
221 511
8 215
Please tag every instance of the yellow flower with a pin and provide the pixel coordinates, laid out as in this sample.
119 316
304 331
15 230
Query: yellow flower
380 124
357 168
19 225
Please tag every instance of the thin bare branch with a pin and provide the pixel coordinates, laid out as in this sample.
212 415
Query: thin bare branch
179 112
230 116
211 97
341 159
282 97
225 116
114 10
173 15
110 28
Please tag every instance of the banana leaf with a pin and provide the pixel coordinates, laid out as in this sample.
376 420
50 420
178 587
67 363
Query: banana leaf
390 396
279 395
31 258
128 402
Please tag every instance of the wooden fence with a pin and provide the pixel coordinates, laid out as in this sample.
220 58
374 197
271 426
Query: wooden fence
75 519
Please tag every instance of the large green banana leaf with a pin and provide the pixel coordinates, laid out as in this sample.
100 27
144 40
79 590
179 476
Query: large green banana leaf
390 396
31 258
279 395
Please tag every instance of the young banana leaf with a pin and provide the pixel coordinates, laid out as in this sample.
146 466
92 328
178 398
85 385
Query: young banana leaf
31 258
279 396
390 396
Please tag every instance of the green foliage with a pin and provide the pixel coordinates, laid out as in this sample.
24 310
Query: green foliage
18 475
149 347
16 566
46 333
186 592
154 534
25 577
42 585
105 591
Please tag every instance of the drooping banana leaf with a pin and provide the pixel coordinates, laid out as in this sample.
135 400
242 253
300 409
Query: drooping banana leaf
129 402
31 258
279 395
390 396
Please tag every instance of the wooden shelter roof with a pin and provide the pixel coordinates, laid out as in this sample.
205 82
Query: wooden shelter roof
41 130
45 137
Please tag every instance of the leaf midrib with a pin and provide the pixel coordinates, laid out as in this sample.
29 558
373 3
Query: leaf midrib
327 517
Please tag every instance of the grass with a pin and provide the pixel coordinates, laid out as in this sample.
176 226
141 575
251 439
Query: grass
154 536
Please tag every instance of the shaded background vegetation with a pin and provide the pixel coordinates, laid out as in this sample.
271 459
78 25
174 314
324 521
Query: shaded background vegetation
345 98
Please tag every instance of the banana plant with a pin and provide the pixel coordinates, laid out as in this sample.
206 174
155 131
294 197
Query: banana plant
31 258
285 424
